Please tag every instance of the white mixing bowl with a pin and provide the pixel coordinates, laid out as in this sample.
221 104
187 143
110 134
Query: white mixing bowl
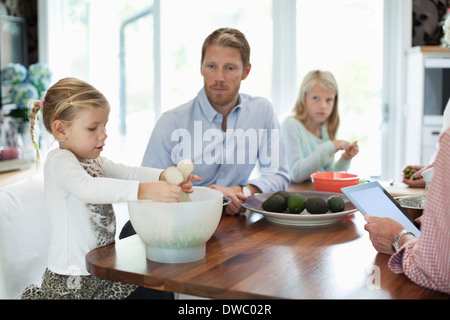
177 232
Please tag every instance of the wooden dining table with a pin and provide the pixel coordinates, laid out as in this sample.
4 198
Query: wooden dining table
249 257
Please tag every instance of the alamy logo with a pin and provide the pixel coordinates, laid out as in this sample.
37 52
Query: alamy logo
214 146
374 279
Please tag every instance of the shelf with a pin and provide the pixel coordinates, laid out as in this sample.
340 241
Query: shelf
10 177
434 49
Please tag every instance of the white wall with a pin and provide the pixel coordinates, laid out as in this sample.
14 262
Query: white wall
397 39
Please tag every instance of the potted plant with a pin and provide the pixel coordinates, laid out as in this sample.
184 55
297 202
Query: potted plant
20 86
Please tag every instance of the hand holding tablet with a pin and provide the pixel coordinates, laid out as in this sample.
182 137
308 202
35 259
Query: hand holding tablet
371 198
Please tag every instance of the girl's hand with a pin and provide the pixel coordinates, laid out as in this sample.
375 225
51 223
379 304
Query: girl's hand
187 186
340 144
351 151
159 191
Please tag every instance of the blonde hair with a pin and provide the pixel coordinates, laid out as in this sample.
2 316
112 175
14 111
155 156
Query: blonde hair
228 37
327 81
63 101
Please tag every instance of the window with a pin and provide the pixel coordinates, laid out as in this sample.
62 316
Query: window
346 38
92 50
184 27
161 50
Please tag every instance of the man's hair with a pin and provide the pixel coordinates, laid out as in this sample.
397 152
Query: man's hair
228 37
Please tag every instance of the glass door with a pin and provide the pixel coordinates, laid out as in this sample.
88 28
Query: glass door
145 57
346 38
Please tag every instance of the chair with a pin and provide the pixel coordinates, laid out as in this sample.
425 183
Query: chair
24 236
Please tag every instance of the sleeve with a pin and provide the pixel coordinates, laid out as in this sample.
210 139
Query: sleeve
160 147
341 164
302 165
72 178
272 157
425 260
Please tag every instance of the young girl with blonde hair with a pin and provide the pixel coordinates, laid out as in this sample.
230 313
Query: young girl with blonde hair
310 133
80 187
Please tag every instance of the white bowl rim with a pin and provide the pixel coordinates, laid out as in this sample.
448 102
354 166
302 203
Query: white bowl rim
184 203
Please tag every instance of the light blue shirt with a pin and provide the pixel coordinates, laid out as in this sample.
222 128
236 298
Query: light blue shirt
307 153
252 139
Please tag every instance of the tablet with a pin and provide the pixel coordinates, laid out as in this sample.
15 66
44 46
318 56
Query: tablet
371 198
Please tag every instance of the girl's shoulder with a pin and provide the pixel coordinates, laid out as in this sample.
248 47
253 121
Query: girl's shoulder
60 153
59 158
292 122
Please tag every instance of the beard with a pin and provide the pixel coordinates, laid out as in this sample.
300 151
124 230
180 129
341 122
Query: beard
219 100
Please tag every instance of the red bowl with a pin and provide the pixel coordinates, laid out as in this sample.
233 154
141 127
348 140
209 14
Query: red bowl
333 181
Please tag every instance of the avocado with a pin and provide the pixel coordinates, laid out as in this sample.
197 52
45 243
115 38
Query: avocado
336 204
284 194
296 203
316 205
275 203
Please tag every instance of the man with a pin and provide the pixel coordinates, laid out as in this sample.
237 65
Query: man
226 134
425 260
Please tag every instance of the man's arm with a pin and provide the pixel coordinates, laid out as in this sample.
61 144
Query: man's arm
272 158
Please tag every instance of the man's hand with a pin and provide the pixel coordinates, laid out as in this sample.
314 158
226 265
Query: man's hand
236 196
382 232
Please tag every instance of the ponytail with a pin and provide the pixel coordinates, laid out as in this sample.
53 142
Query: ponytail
37 105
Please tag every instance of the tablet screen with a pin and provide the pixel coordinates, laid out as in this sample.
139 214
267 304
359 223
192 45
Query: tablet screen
371 198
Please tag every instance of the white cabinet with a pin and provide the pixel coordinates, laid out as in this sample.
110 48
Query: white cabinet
427 93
